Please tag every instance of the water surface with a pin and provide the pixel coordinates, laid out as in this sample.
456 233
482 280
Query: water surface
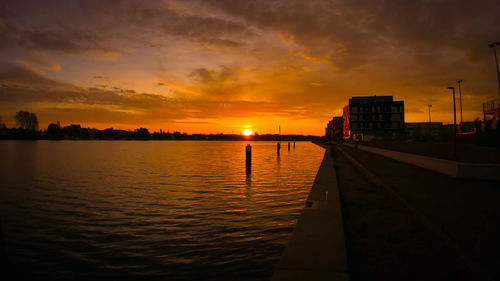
172 210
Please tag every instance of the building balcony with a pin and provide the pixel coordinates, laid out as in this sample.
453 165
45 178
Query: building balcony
491 106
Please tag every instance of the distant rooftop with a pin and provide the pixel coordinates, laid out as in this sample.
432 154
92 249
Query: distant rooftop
370 99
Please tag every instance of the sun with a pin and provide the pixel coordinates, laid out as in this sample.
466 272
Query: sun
247 132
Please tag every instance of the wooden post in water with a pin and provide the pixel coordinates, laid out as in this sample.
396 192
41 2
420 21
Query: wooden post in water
249 158
288 146
279 145
293 144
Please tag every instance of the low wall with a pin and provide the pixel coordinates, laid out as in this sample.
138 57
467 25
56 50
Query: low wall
451 168
317 250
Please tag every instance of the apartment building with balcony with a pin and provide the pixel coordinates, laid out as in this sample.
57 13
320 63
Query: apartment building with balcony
369 117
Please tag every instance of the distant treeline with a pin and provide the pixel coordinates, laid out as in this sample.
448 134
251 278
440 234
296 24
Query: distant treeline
28 129
76 132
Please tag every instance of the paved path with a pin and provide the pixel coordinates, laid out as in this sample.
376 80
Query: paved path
388 241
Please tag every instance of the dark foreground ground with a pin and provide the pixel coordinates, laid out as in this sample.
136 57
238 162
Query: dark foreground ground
451 234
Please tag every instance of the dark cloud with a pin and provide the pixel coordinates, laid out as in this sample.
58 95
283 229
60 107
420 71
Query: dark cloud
206 29
122 90
221 75
16 76
351 34
74 27
356 33
42 38
37 59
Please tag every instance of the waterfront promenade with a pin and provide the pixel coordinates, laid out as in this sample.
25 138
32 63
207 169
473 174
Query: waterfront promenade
403 222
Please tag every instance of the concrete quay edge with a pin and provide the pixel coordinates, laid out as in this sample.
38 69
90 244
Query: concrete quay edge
477 171
316 250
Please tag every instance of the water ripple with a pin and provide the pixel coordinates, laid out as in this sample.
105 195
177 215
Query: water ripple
172 210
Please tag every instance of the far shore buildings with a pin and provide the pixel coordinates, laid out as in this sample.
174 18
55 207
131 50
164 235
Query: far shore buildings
334 129
368 117
421 130
380 117
371 117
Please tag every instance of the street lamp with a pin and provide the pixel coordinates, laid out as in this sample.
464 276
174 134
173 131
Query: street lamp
492 45
460 94
454 125
430 125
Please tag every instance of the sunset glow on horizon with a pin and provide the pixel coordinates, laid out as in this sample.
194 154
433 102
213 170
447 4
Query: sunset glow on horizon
210 66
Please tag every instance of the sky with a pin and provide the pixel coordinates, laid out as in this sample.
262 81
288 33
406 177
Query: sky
225 66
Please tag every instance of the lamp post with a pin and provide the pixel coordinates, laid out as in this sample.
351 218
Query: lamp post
460 97
492 45
454 125
430 125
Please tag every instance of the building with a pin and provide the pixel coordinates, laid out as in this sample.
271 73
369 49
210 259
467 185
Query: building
337 128
424 130
328 129
371 117
334 128
491 111
466 128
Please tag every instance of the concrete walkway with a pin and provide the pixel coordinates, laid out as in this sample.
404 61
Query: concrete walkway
456 169
466 211
317 250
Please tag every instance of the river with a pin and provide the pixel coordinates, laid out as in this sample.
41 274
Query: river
170 210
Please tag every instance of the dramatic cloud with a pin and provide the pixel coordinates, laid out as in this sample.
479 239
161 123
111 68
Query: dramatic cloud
220 65
23 87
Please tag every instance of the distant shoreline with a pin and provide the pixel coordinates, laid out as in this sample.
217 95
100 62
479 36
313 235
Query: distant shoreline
242 140
142 134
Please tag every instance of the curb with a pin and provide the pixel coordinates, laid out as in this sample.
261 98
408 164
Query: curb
317 249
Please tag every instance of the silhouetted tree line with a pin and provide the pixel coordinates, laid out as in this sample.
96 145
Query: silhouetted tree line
55 131
26 120
27 128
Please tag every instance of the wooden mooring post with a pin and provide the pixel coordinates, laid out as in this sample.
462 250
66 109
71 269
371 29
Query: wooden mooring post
248 159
